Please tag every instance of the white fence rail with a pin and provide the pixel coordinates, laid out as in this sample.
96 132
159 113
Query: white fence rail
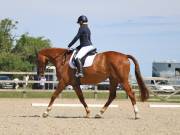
152 91
24 73
22 81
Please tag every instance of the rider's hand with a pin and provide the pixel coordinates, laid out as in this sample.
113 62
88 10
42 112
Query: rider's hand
69 49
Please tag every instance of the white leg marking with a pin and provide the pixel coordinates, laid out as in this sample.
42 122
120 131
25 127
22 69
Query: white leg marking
46 113
136 108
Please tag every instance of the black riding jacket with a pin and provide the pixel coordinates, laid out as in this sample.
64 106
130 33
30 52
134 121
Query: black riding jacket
84 34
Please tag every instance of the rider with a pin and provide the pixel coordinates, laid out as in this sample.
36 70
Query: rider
84 35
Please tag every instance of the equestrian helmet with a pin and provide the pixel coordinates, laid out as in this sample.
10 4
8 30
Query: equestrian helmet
82 19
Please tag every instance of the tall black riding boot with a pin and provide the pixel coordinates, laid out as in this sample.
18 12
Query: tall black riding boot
79 72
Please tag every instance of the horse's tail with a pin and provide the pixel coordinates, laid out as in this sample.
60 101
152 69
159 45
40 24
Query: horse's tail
143 89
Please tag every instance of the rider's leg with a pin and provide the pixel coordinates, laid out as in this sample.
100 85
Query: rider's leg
79 68
81 53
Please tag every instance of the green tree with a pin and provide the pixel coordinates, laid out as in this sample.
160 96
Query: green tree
12 62
26 47
20 54
6 37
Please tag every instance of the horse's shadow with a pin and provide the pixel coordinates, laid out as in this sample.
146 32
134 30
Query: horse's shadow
58 117
64 117
29 116
71 117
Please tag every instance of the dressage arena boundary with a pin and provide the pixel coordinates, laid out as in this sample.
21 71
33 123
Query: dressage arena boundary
71 105
164 106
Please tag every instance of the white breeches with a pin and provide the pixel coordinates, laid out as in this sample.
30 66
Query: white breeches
83 51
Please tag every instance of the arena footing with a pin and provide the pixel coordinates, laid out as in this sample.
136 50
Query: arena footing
70 105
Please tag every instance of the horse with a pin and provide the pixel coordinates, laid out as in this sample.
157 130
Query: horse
111 65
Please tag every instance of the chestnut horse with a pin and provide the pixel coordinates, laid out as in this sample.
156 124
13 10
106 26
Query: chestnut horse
112 65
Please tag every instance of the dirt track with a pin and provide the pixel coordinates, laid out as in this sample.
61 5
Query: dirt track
17 117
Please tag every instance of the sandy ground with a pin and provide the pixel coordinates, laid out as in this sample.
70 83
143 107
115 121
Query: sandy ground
17 117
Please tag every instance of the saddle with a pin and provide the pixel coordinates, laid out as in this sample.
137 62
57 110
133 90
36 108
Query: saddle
86 61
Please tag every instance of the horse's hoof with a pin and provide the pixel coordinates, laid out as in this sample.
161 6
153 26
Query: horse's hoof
98 116
45 115
87 115
137 116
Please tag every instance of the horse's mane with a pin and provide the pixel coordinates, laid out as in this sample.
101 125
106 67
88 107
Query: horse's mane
54 51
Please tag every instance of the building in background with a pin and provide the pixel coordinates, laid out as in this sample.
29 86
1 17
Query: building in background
167 69
51 77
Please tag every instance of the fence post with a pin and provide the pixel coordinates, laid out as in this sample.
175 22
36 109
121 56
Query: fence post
95 92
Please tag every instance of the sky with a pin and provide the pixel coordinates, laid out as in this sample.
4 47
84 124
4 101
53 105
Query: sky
146 29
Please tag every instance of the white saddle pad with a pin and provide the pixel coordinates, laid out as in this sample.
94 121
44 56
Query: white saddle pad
88 62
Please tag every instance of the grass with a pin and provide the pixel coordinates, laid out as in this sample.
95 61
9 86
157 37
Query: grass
71 94
48 93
